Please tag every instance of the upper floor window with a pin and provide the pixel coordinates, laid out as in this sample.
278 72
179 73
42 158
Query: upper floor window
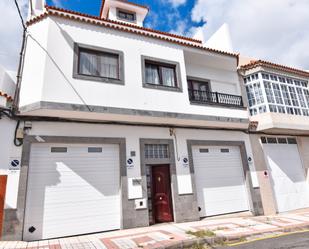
198 85
126 15
95 63
98 64
161 74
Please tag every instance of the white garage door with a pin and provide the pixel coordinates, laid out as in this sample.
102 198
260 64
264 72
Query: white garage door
287 176
219 180
72 189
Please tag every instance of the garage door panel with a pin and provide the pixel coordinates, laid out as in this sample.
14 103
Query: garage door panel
224 208
218 194
214 172
287 176
68 191
52 199
220 180
55 228
66 211
67 180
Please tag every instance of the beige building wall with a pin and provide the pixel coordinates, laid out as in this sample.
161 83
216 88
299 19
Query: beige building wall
268 200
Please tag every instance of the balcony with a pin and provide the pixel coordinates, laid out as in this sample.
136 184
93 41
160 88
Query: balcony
215 98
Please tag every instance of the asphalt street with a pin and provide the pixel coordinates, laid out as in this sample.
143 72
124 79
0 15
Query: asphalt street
292 241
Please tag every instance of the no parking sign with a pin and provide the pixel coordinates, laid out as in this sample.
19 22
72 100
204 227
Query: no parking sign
14 165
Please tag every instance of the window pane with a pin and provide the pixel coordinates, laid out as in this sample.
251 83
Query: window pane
152 74
282 140
263 140
286 96
109 66
200 86
168 76
301 97
273 108
269 92
281 109
253 111
306 93
250 94
262 109
271 140
88 63
258 93
305 112
293 96
126 16
59 150
292 141
277 93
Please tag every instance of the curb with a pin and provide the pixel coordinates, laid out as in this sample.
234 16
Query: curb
234 238
191 242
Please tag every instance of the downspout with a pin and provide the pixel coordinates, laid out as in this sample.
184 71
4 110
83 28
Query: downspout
20 70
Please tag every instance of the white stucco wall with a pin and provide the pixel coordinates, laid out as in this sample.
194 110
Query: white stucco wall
34 64
133 134
56 85
9 152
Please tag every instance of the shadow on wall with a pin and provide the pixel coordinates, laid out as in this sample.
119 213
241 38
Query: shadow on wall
283 164
60 183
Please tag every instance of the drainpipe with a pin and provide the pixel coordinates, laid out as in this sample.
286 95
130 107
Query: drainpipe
20 70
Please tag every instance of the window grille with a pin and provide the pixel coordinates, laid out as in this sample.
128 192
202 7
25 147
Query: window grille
156 151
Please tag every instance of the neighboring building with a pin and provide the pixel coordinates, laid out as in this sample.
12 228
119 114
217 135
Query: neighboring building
8 152
278 98
127 127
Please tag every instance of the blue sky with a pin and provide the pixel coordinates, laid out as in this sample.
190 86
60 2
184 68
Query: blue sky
163 15
275 30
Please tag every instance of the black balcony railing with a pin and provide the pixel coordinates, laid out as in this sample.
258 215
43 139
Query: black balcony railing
215 98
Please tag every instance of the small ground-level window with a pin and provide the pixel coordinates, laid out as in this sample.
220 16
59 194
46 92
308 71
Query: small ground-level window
271 140
263 140
59 149
282 140
225 150
292 140
95 149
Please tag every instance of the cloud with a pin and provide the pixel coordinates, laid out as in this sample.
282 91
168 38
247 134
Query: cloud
10 33
57 3
275 30
176 3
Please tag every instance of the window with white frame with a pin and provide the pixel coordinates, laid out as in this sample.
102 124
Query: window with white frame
276 93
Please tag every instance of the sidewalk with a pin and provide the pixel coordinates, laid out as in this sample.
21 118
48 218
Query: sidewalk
175 235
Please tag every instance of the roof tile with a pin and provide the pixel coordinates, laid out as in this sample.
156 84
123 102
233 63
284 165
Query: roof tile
257 63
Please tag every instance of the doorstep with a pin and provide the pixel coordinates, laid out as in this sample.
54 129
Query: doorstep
175 235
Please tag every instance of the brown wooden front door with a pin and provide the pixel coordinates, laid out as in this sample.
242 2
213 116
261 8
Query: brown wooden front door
3 180
161 194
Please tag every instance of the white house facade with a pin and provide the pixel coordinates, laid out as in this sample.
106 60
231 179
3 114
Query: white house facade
278 98
116 126
119 122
